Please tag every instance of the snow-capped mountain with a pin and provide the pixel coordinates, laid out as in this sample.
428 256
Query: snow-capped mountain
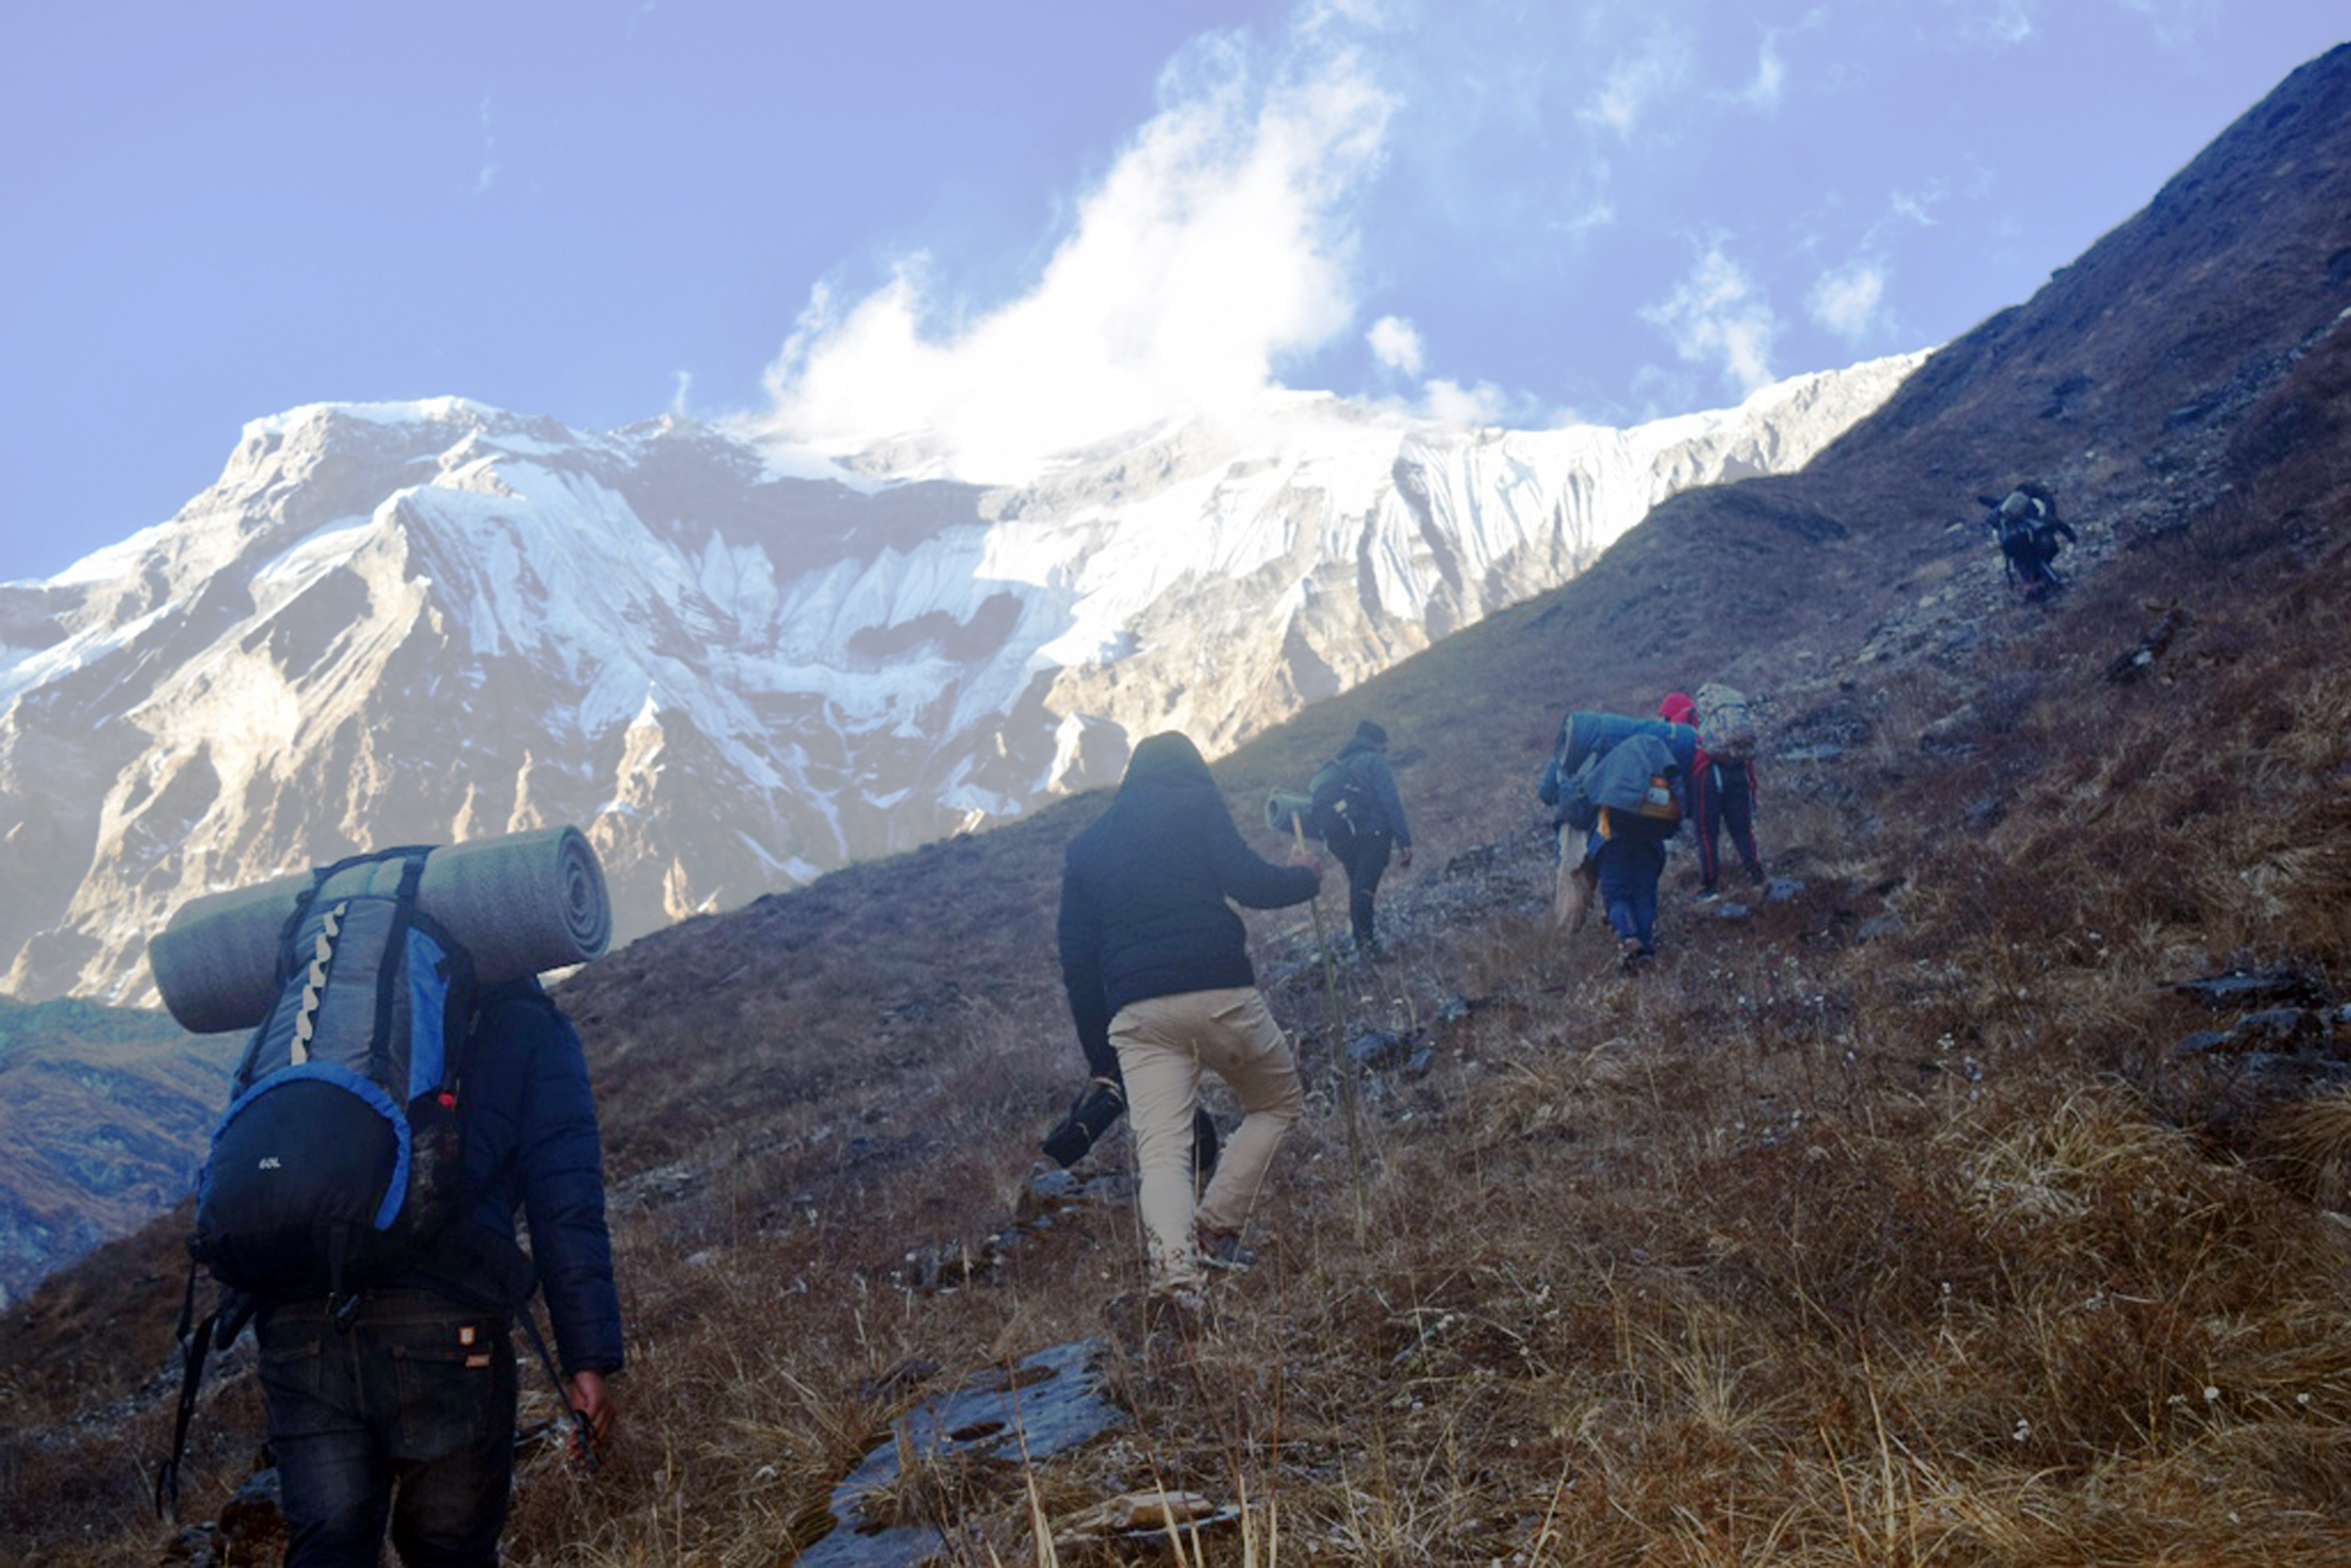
427 621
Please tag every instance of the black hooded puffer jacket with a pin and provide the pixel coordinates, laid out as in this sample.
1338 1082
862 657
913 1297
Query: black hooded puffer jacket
1143 889
532 1149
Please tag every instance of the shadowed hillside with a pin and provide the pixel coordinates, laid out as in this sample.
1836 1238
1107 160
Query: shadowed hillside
1921 1215
99 1110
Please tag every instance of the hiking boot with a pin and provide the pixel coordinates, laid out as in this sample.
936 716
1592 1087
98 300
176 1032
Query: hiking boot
1223 1250
1183 1306
1629 954
1138 1319
1370 953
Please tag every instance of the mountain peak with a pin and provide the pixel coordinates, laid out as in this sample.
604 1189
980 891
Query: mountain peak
388 620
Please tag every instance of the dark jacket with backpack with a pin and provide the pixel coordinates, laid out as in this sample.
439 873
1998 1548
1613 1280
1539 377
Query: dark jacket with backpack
526 1119
532 1150
1723 790
2025 524
1143 892
1367 785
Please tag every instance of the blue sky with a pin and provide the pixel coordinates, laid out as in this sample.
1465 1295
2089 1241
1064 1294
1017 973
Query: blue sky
1024 225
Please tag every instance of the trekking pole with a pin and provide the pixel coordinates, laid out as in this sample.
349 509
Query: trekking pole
1344 1065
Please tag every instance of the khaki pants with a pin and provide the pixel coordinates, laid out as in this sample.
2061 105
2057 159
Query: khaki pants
1161 1043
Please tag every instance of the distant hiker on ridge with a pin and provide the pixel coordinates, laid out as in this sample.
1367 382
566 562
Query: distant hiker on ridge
1357 813
1156 964
2025 525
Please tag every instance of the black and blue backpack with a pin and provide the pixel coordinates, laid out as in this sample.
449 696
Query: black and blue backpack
339 1159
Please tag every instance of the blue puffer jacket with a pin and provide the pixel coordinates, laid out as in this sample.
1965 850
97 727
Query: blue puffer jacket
532 1149
1143 889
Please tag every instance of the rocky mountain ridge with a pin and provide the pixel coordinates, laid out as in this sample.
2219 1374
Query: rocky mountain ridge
1878 1223
432 622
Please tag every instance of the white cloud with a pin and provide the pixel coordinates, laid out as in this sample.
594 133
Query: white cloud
1218 243
486 173
1851 300
1395 343
1771 81
1599 216
1454 404
1715 315
1996 22
1635 83
2179 24
1917 207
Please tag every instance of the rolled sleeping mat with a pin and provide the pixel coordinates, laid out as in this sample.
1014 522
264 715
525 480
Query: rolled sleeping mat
1284 807
521 903
1588 734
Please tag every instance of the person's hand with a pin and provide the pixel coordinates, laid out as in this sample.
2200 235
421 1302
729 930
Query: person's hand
587 1394
1404 857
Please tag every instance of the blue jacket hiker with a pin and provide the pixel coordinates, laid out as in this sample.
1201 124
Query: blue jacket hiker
405 1415
1636 787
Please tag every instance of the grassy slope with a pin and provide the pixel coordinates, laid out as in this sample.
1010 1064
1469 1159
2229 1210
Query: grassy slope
1884 1227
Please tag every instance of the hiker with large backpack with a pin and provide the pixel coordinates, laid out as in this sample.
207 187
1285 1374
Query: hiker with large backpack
1356 812
1156 966
1723 780
389 1123
1638 791
2025 525
1586 740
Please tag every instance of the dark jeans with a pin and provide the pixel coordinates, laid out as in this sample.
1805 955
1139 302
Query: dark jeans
407 1417
1364 856
1628 869
1724 800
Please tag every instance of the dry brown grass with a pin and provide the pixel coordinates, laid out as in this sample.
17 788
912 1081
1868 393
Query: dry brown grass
1801 1248
1885 1227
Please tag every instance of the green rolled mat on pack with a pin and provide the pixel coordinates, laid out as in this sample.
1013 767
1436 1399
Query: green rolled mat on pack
1284 807
521 903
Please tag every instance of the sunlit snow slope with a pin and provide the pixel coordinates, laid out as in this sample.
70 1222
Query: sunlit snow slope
425 621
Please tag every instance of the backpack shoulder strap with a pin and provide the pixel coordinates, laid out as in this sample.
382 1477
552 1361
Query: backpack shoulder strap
219 1328
192 1350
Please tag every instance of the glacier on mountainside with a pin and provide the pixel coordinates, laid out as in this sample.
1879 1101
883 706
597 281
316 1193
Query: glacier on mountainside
437 620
